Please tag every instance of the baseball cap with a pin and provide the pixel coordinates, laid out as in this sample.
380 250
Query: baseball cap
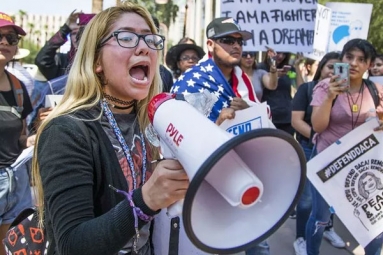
220 27
6 20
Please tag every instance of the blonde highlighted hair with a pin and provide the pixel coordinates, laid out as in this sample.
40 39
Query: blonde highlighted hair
84 86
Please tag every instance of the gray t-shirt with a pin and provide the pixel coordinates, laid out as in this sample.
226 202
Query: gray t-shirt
257 82
128 124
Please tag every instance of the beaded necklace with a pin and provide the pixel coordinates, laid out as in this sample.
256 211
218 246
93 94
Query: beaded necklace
117 132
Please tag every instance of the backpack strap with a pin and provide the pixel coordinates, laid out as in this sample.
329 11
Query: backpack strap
17 91
373 91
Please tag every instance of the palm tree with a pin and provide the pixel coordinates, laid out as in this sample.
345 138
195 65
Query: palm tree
97 6
22 14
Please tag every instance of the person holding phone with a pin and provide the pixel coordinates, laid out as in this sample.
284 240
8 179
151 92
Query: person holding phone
259 78
52 64
280 98
338 108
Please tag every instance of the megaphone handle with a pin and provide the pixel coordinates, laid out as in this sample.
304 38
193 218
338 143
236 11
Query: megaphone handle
175 209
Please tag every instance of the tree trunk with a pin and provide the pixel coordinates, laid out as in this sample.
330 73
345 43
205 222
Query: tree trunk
97 6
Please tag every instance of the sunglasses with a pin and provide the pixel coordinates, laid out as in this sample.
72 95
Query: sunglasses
230 40
245 54
12 39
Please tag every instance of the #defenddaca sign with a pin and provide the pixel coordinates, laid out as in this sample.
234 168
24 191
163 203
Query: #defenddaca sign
349 176
284 25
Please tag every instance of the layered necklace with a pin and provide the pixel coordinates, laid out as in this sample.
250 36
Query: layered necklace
127 104
354 107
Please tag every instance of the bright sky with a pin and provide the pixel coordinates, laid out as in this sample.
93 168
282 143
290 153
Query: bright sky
54 7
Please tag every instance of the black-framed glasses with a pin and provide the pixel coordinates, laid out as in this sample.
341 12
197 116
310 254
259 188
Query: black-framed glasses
186 58
230 40
245 54
12 39
128 39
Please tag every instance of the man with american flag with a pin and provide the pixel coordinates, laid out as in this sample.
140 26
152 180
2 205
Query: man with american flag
221 75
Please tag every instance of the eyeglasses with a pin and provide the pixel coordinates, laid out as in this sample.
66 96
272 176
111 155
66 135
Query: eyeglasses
12 39
247 53
187 58
130 40
230 40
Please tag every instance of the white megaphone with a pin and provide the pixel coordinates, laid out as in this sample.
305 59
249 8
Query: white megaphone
242 188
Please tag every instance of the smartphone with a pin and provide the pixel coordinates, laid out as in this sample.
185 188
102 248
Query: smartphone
343 70
84 18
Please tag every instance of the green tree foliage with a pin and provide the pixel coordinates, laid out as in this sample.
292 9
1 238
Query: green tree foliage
375 36
33 48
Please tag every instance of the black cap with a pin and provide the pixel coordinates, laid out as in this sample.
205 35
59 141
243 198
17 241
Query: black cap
220 27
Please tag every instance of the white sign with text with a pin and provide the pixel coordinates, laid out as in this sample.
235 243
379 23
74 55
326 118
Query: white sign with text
349 176
348 21
283 25
322 33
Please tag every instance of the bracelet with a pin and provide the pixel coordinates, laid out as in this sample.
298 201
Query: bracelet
136 210
273 72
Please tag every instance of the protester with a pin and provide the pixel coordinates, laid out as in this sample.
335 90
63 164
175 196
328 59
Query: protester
97 188
301 121
259 78
377 67
280 98
305 70
222 76
338 108
183 56
52 64
15 105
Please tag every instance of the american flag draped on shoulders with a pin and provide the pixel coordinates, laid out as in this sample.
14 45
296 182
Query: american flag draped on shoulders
207 76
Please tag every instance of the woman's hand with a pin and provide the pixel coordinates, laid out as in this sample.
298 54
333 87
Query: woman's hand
167 185
336 87
31 141
380 127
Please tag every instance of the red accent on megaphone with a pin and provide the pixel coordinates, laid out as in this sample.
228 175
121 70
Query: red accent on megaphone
250 196
156 102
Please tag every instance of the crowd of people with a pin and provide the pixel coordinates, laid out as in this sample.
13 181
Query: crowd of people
98 184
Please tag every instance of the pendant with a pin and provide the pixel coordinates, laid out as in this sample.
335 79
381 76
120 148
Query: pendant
355 108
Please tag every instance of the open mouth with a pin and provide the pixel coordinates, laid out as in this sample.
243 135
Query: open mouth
139 72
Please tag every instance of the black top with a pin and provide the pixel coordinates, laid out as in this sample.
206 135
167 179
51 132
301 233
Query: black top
167 79
11 127
76 169
279 99
50 63
301 102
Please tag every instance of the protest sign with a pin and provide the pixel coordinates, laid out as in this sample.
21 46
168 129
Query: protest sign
348 21
322 33
284 25
248 119
378 80
348 175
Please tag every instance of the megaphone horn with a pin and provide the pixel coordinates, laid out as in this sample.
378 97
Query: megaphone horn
241 189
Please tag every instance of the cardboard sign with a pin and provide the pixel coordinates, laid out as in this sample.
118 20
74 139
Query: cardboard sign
349 176
348 21
52 100
322 33
283 25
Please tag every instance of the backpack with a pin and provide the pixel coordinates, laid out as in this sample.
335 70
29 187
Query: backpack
24 237
19 96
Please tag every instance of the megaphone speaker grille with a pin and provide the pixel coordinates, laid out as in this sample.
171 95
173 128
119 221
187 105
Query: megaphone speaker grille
215 226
